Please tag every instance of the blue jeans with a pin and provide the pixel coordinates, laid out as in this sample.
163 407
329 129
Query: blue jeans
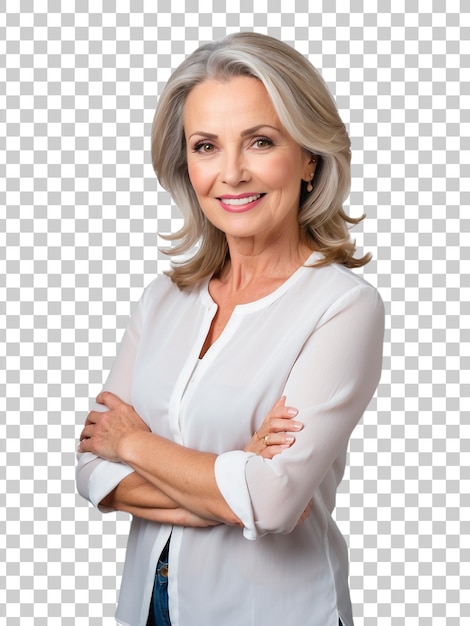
158 612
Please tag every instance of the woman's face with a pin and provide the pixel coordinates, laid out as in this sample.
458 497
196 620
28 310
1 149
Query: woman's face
244 167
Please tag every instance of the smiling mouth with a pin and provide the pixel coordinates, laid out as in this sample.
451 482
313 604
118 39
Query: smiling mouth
241 201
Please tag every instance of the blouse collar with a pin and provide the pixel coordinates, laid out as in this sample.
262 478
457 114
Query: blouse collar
265 301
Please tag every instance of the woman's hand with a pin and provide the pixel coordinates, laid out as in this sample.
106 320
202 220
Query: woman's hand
104 432
275 433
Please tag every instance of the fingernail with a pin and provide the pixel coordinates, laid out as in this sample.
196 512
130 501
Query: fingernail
296 426
289 439
292 412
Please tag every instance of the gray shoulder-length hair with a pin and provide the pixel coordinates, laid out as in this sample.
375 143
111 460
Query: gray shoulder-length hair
306 110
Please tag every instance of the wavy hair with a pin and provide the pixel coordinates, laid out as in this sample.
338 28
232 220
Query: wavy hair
306 110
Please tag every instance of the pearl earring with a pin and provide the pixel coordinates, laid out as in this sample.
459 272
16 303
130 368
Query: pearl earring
310 185
310 182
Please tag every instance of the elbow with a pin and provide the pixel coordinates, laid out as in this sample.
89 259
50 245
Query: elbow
276 525
85 465
83 489
82 485
281 516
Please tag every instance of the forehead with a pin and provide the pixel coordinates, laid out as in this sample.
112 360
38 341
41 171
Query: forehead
241 100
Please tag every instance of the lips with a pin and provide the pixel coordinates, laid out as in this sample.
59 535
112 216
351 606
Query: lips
242 202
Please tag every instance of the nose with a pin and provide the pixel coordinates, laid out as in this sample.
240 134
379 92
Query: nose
234 168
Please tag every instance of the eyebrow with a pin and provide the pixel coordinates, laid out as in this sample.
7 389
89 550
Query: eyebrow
245 133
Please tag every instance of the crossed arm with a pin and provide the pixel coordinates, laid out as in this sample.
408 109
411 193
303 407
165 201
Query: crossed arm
172 484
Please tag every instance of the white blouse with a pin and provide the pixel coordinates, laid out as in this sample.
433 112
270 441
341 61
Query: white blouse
318 340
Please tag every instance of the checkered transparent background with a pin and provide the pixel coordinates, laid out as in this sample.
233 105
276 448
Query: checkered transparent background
79 211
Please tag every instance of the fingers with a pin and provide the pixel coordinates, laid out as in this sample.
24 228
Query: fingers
275 421
281 410
276 432
92 417
274 438
279 425
269 452
279 404
91 421
270 445
109 399
84 445
278 439
275 443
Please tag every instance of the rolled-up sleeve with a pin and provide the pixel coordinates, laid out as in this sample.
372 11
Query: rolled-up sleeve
96 477
331 384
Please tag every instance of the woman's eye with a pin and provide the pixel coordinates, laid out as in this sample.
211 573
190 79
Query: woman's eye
204 147
263 142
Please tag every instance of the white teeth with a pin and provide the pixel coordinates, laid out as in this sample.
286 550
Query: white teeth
240 201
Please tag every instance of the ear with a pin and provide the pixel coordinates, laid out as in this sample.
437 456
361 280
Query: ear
310 167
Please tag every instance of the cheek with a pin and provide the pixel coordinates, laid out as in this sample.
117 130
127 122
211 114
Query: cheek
283 173
200 177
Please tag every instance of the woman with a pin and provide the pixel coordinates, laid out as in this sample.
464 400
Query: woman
265 313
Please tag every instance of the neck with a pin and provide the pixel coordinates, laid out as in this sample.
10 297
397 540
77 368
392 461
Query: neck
251 262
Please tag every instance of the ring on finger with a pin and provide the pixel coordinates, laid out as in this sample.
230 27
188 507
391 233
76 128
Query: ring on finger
266 440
